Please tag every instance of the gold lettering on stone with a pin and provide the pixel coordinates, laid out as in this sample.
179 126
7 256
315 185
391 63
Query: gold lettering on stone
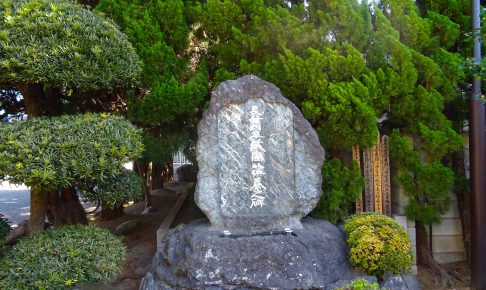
368 176
377 176
356 157
386 188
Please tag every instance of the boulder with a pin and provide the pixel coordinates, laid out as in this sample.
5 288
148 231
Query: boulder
197 257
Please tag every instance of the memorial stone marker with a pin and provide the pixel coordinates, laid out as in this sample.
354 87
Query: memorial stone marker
259 159
259 174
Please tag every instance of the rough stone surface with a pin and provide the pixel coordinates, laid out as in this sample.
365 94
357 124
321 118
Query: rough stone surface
401 283
250 126
196 257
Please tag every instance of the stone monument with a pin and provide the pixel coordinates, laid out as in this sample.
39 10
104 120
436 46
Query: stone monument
259 175
259 160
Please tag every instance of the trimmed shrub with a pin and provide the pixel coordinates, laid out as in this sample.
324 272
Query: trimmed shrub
61 44
60 258
116 191
378 245
53 153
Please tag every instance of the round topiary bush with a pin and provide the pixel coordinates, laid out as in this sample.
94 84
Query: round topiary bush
62 257
378 245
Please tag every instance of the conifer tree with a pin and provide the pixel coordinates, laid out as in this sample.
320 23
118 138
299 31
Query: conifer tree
347 64
174 78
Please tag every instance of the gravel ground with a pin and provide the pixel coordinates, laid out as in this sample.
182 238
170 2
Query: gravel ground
14 202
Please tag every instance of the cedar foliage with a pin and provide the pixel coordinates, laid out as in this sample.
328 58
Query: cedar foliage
346 64
174 79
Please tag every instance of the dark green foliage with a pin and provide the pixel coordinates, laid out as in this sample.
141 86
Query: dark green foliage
68 151
427 184
378 245
61 44
4 227
174 79
346 64
175 82
115 191
4 230
341 186
61 258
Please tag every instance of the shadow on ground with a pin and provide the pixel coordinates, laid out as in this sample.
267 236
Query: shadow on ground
141 240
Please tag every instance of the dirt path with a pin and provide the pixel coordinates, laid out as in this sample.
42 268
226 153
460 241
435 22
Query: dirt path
141 240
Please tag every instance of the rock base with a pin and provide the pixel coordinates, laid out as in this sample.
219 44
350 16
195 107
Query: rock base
197 257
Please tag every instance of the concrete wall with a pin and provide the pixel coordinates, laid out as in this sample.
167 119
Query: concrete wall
447 243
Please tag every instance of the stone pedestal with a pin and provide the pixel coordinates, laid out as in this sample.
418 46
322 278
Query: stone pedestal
196 257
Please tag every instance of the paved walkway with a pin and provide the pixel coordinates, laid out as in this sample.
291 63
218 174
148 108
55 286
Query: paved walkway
14 202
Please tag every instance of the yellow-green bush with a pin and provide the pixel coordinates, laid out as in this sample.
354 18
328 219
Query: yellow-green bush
378 245
360 284
61 258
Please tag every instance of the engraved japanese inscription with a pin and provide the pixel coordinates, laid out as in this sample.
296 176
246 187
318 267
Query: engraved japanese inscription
257 169
259 159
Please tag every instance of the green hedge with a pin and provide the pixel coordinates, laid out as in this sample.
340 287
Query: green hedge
67 151
378 245
63 44
60 258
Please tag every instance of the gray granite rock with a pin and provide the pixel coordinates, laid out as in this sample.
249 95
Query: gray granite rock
400 283
259 159
197 257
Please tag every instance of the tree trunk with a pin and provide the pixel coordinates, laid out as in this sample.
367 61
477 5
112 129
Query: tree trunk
157 178
463 201
108 213
38 206
38 199
32 94
64 208
425 258
52 101
144 170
